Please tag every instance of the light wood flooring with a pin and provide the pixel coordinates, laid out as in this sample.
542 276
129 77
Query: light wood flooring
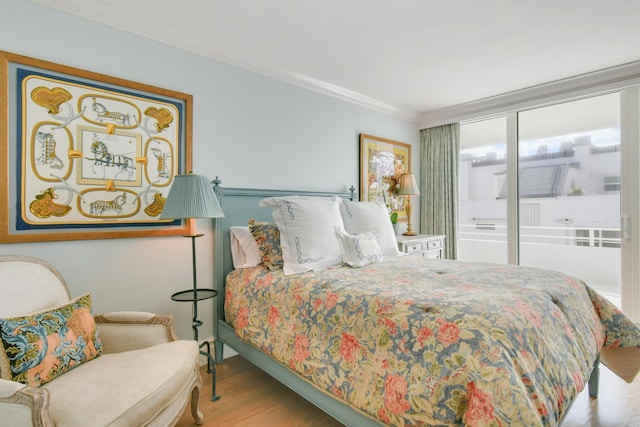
251 398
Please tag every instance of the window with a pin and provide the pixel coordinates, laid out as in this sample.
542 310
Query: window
568 195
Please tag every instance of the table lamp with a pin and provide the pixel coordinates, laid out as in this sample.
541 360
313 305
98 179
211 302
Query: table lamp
191 196
408 188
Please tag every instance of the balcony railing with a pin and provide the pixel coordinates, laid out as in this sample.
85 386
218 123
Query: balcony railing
597 237
590 253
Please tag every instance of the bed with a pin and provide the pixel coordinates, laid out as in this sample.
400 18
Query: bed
441 342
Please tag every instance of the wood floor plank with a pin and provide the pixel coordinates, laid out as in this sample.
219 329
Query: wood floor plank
252 398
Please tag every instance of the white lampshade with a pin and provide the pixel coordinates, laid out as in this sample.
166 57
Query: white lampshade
408 185
191 196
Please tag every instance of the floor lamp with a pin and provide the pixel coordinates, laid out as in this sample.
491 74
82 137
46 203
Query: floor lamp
191 196
408 188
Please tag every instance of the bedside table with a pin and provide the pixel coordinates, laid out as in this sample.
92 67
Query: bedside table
426 245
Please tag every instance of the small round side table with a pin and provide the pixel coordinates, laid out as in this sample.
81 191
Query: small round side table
193 296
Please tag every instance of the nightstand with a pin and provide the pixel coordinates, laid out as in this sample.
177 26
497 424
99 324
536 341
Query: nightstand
426 245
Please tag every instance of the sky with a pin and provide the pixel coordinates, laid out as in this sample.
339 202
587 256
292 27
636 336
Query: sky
600 138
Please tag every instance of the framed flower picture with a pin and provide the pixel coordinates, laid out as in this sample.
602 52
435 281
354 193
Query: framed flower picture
382 161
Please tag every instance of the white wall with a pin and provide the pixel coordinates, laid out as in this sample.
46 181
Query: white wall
250 130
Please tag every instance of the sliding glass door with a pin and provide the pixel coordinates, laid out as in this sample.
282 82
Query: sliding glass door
482 213
567 170
569 190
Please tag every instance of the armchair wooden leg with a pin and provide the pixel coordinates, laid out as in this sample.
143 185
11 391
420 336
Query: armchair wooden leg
195 411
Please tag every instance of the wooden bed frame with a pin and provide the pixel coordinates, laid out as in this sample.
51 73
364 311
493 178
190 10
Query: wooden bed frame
240 205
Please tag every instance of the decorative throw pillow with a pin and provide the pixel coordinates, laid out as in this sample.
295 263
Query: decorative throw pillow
360 249
307 231
41 346
362 217
267 237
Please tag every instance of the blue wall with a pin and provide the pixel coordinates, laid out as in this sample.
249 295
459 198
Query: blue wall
248 129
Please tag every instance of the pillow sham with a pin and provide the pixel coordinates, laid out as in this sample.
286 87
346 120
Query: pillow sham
362 217
38 347
307 227
267 237
360 249
244 249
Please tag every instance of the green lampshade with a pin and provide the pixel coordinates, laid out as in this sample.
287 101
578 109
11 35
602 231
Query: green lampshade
191 196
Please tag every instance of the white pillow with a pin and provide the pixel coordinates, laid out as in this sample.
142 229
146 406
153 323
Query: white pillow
244 249
362 217
360 249
307 231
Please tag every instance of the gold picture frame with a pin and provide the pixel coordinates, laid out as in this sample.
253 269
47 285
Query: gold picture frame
86 155
381 163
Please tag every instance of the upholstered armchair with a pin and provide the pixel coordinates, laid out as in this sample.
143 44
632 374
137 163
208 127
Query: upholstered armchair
55 370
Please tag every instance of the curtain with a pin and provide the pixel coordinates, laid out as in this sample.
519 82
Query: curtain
439 152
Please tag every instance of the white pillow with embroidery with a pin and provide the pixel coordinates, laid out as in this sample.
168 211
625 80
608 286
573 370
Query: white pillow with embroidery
360 249
363 217
307 227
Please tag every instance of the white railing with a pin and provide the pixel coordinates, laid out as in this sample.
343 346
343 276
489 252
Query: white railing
599 237
590 253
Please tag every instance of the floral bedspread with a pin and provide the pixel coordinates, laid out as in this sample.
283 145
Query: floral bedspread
413 341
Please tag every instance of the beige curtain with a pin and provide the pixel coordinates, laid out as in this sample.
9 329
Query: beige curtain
439 152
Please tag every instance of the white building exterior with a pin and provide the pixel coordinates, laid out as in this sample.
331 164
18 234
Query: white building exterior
569 211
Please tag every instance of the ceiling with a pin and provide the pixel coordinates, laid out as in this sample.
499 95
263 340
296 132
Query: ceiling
405 57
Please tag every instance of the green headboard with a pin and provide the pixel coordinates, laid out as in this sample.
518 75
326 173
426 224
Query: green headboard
239 206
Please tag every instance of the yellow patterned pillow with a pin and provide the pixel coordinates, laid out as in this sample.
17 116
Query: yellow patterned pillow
267 237
41 346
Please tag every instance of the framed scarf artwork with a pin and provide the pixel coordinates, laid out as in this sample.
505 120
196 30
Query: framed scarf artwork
87 156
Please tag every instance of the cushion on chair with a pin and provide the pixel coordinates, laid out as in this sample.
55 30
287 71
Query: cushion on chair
123 389
36 348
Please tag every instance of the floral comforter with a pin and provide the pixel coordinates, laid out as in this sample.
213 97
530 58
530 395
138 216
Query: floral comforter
413 341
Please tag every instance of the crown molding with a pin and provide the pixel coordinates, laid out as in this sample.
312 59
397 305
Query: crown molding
580 86
326 88
583 85
146 29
